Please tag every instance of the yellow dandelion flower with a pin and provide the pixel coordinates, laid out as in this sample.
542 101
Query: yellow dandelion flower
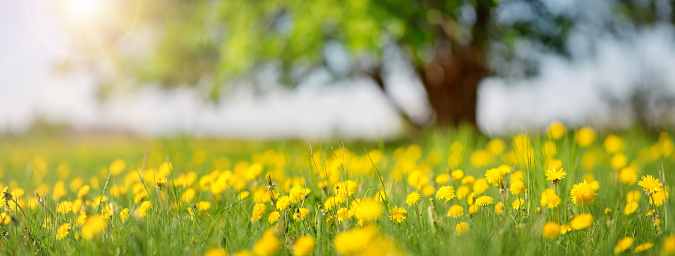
456 211
81 219
517 187
583 194
481 158
650 185
216 252
428 190
244 253
273 217
304 246
495 177
83 191
98 200
631 207
93 226
143 210
551 230
369 210
261 196
518 203
63 231
614 144
657 199
468 180
204 205
77 205
267 245
462 192
354 241
59 190
484 201
442 178
5 218
284 202
412 199
618 161
243 195
608 211
554 164
140 196
565 228
643 247
298 193
470 198
473 208
446 193
345 189
633 196
623 245
107 211
517 176
480 186
398 214
417 179
555 130
496 146
124 214
461 228
585 137
117 167
628 175
550 149
498 208
160 181
258 211
64 207
328 205
669 245
300 214
555 175
582 221
188 195
457 175
343 214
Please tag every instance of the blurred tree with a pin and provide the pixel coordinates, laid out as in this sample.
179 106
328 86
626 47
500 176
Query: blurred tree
451 45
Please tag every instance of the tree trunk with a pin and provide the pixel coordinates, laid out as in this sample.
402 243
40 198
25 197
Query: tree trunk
451 82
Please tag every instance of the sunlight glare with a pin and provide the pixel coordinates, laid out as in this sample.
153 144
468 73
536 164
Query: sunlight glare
83 9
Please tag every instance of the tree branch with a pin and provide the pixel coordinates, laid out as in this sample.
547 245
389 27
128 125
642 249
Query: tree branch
376 75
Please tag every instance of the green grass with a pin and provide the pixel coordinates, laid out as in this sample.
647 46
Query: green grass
169 230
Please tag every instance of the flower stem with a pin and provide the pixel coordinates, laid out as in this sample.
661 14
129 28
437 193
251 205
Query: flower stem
555 185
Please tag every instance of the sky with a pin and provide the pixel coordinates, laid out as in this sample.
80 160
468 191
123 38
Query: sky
570 91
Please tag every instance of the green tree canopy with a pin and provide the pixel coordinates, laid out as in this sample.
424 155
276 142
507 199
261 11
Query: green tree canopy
451 45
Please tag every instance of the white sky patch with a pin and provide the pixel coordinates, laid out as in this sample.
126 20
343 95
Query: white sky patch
566 91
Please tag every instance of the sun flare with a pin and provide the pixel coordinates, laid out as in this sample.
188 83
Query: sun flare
83 9
83 28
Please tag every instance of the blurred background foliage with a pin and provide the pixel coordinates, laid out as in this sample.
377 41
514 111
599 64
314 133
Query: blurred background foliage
451 45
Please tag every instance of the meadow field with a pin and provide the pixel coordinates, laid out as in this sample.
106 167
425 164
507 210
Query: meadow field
563 191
